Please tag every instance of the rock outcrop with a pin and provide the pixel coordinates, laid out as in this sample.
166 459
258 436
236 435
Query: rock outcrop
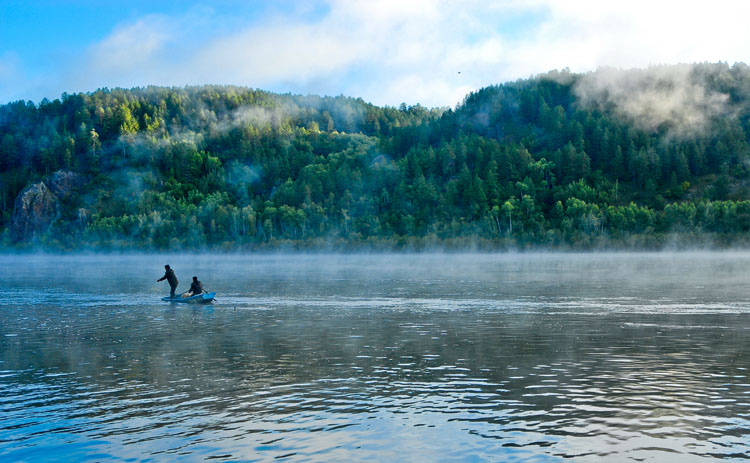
35 210
63 182
38 206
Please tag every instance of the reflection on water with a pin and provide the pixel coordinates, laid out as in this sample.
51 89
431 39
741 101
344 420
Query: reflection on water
380 358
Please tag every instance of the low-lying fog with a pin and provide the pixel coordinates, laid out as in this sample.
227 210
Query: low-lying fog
705 276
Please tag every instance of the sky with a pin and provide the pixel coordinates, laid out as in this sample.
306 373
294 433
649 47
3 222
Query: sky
388 52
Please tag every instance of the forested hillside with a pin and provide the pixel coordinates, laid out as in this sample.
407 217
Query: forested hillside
608 159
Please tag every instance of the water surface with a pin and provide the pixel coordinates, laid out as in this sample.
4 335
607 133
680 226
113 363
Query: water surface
465 358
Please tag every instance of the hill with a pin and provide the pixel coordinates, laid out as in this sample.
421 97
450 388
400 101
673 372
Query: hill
612 158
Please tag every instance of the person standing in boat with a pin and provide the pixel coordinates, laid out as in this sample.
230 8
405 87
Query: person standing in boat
196 287
171 279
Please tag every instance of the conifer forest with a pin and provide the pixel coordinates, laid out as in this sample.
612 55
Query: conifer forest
646 158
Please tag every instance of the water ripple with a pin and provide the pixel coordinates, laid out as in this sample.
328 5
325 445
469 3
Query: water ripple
379 364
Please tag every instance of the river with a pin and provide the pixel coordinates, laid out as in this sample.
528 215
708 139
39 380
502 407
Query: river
404 358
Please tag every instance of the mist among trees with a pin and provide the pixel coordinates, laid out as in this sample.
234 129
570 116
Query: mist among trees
612 158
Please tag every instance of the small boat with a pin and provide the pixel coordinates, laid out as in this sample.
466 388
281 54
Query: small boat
205 298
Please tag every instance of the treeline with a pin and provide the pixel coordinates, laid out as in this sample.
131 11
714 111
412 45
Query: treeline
523 164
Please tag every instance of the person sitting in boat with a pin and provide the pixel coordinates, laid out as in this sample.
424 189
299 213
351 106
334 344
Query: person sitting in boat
171 279
196 287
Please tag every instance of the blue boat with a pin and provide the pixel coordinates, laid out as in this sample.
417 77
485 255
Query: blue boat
205 298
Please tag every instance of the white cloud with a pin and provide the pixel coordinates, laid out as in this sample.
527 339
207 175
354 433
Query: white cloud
266 55
132 46
139 53
391 51
638 33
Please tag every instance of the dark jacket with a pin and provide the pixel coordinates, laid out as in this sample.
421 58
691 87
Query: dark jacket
170 277
196 287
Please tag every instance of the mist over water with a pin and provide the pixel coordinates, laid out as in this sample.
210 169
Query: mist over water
494 357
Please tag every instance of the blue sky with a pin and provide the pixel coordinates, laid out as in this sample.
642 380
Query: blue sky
416 51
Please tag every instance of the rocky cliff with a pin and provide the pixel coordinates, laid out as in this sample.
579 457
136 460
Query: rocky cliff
39 205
